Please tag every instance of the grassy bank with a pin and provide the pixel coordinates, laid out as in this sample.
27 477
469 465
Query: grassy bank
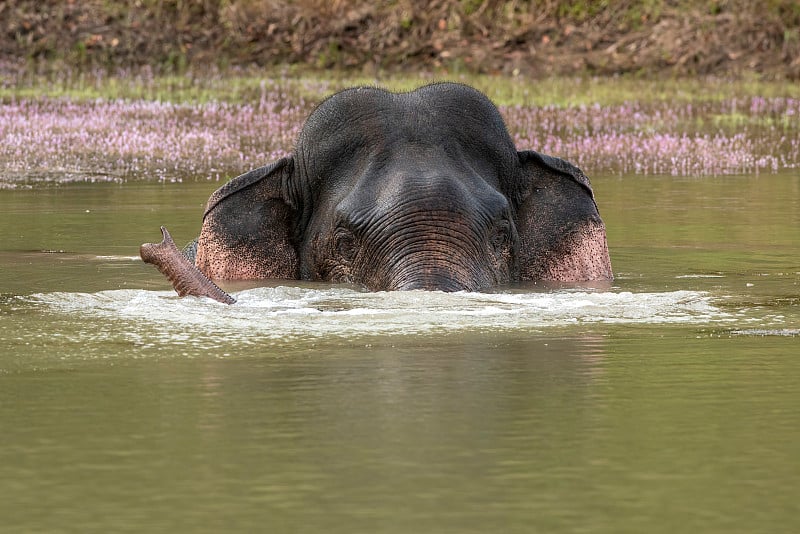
249 87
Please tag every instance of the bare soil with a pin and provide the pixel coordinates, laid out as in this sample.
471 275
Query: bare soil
727 38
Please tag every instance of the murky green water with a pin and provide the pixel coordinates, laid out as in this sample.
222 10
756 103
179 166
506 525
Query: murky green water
669 403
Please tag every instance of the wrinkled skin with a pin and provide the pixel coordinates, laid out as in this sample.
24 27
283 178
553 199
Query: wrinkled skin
419 190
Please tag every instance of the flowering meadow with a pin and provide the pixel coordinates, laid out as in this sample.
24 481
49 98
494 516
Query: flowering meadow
61 140
58 139
732 136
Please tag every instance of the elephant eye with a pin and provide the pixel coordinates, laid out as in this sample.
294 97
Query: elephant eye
501 235
344 244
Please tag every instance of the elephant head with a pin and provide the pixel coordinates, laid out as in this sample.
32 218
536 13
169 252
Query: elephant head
394 191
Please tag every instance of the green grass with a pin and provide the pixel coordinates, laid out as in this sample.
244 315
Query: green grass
311 86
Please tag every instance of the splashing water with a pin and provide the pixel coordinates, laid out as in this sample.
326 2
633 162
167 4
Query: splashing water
285 313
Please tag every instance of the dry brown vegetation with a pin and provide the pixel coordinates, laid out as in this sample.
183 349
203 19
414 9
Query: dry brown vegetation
536 38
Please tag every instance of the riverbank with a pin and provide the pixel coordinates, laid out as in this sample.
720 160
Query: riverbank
657 38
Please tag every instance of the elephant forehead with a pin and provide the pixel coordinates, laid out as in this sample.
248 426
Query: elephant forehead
370 149
393 194
373 120
427 102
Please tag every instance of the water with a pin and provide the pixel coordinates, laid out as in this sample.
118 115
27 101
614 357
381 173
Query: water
666 402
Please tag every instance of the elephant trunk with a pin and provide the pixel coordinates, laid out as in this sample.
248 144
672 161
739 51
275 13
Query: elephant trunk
184 276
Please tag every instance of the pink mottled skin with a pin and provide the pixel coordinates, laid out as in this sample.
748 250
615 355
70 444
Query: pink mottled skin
585 259
185 277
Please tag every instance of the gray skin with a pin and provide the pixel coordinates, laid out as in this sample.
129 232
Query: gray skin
399 191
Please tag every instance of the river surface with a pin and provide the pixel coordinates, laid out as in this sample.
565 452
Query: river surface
668 402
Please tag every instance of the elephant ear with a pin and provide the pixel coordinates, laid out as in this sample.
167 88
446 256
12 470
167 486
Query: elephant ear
562 236
248 227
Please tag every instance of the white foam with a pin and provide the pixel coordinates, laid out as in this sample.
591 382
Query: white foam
288 312
765 332
119 258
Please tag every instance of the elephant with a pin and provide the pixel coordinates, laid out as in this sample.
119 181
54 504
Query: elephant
397 191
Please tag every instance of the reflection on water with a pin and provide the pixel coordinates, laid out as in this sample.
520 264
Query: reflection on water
667 402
